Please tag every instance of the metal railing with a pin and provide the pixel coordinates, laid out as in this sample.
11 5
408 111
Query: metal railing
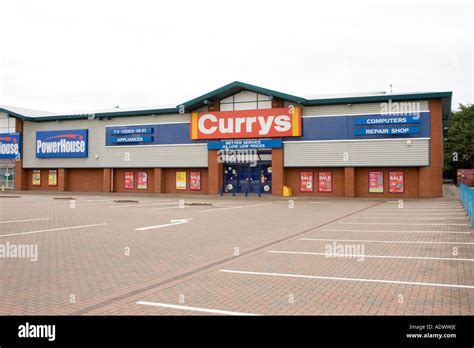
467 199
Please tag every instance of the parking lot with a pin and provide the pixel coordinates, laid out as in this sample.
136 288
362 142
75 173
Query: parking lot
170 255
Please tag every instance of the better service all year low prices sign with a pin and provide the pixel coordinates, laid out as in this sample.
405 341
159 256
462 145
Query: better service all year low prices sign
262 123
62 144
10 146
244 144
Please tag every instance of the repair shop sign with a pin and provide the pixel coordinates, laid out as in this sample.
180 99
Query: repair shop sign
265 123
62 144
10 145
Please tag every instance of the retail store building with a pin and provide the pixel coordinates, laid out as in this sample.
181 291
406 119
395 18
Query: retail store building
238 138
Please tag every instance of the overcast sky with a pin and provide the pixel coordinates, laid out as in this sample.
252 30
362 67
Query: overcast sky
66 56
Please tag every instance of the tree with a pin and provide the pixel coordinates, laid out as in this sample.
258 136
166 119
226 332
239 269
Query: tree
459 144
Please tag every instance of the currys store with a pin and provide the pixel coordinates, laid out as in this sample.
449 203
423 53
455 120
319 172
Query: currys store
239 139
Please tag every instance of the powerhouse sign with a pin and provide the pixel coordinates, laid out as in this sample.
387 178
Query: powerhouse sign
264 123
62 144
245 144
10 146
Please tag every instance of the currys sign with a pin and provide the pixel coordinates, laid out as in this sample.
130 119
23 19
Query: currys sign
264 123
62 144
10 145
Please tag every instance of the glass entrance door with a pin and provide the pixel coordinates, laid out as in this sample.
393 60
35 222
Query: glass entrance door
243 177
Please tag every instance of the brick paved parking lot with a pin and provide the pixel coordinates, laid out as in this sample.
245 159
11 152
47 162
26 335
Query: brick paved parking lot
236 256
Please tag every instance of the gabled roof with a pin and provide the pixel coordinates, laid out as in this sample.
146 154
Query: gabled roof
226 91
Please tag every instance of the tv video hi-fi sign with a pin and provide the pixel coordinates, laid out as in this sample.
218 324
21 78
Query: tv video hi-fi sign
264 123
62 144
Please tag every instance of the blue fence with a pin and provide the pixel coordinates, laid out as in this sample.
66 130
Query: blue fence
467 200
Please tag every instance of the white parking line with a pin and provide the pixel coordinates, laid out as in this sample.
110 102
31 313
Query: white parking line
51 230
172 223
368 280
387 231
398 223
193 309
12 221
370 256
383 241
236 207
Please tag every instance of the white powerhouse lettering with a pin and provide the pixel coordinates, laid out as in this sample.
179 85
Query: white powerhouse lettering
8 149
209 124
60 146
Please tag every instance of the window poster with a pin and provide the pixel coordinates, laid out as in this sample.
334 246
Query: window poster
325 182
306 182
129 181
195 181
52 177
181 181
396 182
142 180
36 177
376 182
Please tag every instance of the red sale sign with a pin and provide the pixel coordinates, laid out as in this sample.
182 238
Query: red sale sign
264 123
195 181
396 183
325 182
129 180
306 182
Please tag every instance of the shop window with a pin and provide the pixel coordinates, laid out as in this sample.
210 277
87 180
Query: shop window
245 101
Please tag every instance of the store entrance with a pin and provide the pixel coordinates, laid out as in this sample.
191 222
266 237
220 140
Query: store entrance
248 177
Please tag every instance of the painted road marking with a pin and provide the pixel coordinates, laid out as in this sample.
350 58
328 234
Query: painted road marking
172 223
398 223
236 207
368 280
51 230
193 309
370 256
383 241
386 231
12 221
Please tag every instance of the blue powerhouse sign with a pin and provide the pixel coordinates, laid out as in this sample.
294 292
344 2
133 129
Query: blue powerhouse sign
388 130
62 144
245 144
125 135
10 146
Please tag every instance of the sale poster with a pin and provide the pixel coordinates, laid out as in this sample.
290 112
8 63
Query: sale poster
36 177
396 182
306 182
53 177
195 181
142 180
325 181
376 182
129 180
181 181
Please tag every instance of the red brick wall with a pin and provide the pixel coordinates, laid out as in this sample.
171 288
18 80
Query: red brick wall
84 180
292 179
170 180
362 183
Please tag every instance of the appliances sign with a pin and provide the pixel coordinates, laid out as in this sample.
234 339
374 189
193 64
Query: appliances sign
265 123
62 144
125 135
10 145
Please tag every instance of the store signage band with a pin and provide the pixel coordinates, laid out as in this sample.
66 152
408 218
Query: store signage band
264 123
125 135
10 146
62 144
243 144
388 130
